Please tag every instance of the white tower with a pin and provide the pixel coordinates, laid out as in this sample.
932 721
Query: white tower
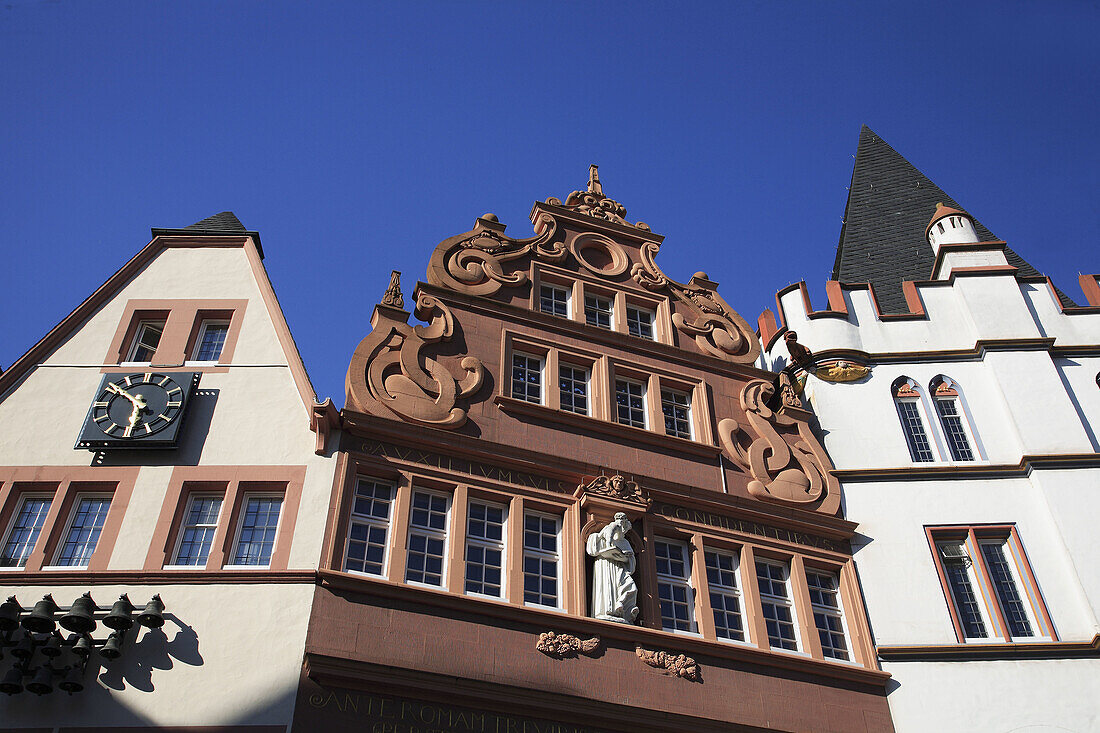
950 226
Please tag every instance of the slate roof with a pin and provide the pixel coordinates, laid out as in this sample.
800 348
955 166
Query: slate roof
889 206
226 221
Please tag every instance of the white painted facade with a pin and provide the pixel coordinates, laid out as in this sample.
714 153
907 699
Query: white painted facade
1025 371
230 652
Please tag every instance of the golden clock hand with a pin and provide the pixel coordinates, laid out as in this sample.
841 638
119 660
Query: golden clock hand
112 388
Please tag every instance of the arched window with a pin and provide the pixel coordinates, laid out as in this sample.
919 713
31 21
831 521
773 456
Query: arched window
907 399
945 395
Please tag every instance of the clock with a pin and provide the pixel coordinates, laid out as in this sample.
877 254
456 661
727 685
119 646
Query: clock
138 410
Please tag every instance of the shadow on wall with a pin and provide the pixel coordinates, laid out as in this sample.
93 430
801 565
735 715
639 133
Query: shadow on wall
200 411
154 650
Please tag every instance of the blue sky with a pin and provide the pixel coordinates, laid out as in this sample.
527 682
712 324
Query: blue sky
355 136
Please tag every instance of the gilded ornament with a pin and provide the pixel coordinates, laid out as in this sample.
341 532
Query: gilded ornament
842 371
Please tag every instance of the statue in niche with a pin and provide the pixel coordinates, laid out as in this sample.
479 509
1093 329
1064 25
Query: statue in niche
614 592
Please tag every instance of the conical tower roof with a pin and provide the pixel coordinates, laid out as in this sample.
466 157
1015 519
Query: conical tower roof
882 240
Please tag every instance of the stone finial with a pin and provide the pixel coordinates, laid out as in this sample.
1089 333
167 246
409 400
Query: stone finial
594 203
594 185
393 295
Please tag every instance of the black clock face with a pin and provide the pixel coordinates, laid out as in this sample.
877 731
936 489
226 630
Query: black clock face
137 410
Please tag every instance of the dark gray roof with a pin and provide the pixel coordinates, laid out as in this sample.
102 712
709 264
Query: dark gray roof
226 221
882 239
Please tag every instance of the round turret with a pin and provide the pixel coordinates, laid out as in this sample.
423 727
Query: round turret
950 226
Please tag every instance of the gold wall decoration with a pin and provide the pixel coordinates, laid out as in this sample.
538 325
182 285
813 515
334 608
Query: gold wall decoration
787 463
557 645
677 665
842 371
386 371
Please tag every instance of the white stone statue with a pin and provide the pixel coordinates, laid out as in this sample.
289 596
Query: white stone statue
614 592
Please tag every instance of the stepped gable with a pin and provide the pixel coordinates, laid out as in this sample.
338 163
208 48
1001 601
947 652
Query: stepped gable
882 240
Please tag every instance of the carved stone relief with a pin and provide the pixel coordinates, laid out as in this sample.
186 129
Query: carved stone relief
841 371
592 202
677 665
558 645
787 463
616 487
386 368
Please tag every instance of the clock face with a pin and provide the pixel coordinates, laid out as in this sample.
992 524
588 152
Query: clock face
137 410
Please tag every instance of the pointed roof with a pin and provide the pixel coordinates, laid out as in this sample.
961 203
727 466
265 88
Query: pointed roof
882 240
222 223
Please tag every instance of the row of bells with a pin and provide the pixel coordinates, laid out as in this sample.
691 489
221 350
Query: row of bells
80 617
42 679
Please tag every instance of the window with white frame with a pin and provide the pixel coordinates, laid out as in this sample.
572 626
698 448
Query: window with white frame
673 586
639 322
946 399
725 594
197 533
258 529
368 527
676 408
630 403
573 387
527 378
82 535
775 601
554 300
24 530
541 559
907 400
598 311
828 614
211 340
146 340
427 538
485 549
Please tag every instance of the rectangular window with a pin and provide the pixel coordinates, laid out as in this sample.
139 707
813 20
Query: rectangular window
676 407
957 568
775 601
828 616
1003 576
427 539
24 531
368 527
485 549
199 523
256 536
953 430
211 340
725 595
639 322
145 341
527 378
597 311
82 536
630 403
673 587
573 384
554 301
919 448
540 560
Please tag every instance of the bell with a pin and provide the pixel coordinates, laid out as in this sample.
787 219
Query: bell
13 681
74 680
80 618
151 617
121 616
25 648
42 684
81 645
113 648
9 614
40 620
52 647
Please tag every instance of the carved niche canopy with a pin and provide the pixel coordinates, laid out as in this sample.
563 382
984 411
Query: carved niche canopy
484 260
386 372
787 463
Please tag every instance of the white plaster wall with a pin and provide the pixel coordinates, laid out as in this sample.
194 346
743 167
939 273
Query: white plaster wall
1040 696
227 654
1078 375
1073 329
968 259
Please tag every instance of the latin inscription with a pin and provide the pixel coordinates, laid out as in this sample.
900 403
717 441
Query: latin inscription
463 465
740 525
379 714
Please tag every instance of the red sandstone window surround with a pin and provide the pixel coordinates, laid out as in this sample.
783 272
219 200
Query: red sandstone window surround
176 333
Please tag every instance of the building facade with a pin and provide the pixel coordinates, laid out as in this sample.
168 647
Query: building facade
157 443
959 393
570 501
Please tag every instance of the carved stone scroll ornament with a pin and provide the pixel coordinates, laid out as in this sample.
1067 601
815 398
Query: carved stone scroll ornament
617 487
565 645
677 665
592 202
717 329
787 463
393 368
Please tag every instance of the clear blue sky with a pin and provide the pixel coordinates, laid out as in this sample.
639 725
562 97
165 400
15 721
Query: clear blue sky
355 136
